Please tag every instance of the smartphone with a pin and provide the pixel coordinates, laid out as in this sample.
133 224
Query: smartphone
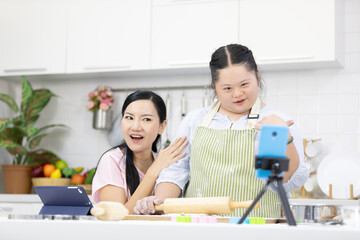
272 144
273 141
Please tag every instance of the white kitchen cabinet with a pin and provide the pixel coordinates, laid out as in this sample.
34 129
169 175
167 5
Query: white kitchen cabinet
32 37
108 35
292 34
185 33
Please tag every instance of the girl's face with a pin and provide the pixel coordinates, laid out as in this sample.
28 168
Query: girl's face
141 125
237 90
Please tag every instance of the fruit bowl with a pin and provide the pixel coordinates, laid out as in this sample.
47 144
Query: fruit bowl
44 181
87 188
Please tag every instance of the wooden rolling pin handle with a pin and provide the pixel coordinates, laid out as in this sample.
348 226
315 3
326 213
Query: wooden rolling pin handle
159 207
97 211
245 204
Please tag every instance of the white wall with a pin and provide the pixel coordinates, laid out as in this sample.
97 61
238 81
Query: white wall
325 103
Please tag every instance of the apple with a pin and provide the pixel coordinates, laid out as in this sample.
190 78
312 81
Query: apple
37 171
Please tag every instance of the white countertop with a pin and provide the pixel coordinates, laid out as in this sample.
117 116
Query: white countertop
95 230
336 202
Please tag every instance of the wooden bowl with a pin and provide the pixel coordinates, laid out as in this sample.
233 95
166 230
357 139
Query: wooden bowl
43 181
87 188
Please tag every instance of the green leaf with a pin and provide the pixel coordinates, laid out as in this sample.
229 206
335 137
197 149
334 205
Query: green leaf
39 100
8 143
29 131
4 123
41 156
14 134
9 101
30 123
27 94
16 150
36 141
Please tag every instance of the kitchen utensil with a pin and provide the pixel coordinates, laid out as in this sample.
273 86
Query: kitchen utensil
210 205
183 106
313 213
110 211
115 134
206 101
168 112
313 149
341 170
351 215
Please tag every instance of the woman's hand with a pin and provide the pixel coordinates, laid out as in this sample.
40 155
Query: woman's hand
147 205
273 120
169 155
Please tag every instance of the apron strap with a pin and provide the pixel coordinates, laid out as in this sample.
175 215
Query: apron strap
210 115
252 117
254 114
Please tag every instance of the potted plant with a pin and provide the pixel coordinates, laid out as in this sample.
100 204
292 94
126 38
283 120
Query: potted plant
22 138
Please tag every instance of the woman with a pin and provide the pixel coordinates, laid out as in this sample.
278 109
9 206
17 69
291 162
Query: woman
128 172
223 141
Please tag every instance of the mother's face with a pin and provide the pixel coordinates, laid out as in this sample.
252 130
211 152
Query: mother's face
141 125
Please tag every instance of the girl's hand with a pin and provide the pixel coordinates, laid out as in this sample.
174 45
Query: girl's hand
273 120
170 155
147 205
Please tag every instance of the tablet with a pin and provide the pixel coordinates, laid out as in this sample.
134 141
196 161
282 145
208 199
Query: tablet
63 200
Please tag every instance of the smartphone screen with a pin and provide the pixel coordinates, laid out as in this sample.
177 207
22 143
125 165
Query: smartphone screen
273 141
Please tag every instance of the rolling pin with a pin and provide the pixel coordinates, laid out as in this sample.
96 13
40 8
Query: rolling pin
205 205
109 211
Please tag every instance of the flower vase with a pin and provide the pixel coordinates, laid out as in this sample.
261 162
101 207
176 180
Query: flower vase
102 119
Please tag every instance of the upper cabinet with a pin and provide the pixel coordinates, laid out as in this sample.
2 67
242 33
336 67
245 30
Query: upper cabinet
50 37
32 37
292 34
108 35
185 33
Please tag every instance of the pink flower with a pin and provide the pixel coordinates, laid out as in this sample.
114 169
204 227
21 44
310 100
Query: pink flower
104 106
103 94
90 105
91 94
109 93
106 100
100 98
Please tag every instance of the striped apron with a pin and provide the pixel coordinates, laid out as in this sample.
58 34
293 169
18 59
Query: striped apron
222 164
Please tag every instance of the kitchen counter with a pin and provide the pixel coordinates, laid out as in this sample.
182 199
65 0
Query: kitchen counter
337 202
95 230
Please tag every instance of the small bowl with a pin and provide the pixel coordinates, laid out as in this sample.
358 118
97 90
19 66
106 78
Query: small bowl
43 181
351 215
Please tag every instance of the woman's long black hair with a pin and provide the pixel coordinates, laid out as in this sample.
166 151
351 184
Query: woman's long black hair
132 175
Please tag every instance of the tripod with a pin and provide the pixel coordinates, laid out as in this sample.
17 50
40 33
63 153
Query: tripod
275 179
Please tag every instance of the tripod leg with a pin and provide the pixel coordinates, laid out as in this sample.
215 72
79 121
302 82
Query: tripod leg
285 204
263 190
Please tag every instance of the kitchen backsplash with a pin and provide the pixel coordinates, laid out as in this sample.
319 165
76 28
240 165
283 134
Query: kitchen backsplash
324 103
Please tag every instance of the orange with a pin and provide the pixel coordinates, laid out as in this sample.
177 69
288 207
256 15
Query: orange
77 179
48 169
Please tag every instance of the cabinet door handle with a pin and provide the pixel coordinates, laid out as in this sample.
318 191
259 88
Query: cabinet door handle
284 58
105 67
25 70
184 63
